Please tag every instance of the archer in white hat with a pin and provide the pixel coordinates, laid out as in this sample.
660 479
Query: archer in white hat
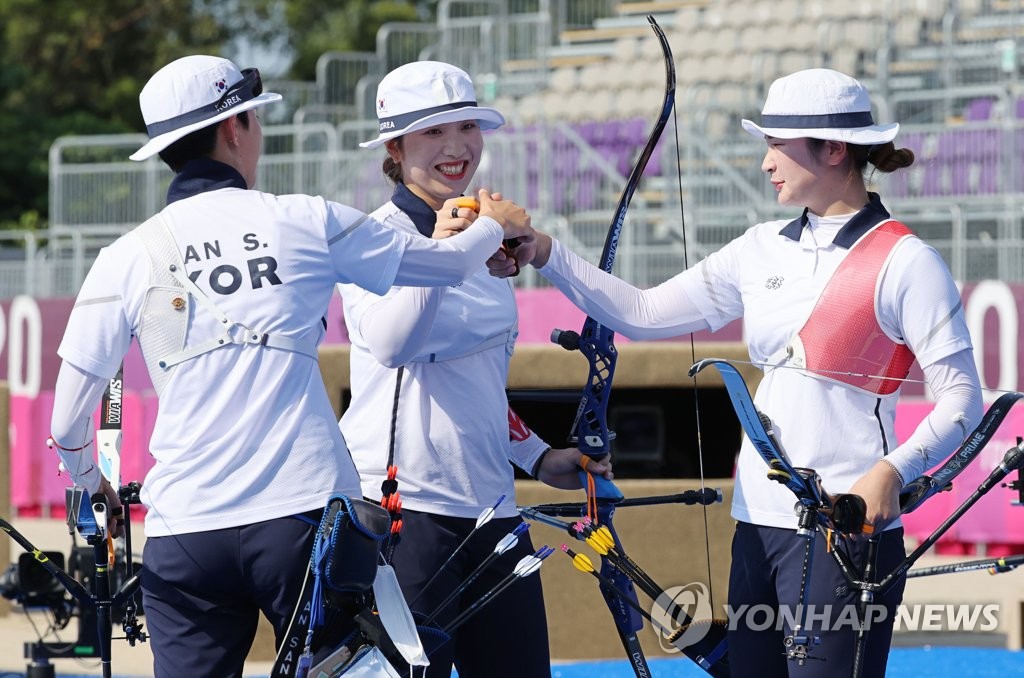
226 290
431 365
822 117
837 303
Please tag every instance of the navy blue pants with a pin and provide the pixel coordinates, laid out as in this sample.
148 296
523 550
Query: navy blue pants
203 592
508 637
766 573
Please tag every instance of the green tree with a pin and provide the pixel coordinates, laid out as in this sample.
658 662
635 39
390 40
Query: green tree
318 26
71 67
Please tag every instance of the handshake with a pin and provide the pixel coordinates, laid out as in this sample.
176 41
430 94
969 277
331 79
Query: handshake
521 243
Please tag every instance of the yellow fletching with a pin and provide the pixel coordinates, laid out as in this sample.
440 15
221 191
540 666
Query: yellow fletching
597 545
606 537
582 563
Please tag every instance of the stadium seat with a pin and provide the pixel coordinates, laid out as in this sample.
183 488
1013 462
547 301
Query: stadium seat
979 109
564 79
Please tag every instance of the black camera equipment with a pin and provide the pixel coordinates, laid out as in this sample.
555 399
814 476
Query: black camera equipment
40 579
1017 485
28 584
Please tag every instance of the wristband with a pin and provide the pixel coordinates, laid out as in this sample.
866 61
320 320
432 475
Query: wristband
540 460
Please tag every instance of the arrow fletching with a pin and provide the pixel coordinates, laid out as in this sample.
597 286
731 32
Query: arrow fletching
530 564
488 513
510 539
524 563
605 536
579 560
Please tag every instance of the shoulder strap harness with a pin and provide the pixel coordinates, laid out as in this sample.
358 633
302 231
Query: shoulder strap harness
167 307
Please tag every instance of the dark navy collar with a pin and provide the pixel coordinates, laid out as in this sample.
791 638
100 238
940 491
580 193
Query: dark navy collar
201 175
424 218
861 222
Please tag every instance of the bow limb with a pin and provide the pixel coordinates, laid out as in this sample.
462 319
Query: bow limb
590 427
636 174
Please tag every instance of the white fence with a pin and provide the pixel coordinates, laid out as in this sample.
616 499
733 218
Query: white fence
965 195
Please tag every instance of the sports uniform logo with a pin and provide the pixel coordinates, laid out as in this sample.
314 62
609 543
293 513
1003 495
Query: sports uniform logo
774 282
382 106
220 85
517 429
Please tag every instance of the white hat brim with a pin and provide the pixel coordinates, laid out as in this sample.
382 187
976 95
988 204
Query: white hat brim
489 118
861 136
162 141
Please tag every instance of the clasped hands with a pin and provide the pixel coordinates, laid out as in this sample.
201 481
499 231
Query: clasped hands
521 240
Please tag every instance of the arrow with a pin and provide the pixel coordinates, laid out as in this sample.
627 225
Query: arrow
504 544
583 564
524 568
481 520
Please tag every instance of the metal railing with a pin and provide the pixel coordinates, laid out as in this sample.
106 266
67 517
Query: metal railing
974 219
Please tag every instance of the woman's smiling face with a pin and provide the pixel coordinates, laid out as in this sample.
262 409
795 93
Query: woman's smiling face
439 162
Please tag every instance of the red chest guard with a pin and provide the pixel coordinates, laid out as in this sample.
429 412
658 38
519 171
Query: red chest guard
842 340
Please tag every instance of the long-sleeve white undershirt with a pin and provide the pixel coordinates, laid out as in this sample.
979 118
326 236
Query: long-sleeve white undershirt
397 327
72 426
666 311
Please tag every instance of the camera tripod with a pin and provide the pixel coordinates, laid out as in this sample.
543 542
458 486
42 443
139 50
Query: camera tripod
89 517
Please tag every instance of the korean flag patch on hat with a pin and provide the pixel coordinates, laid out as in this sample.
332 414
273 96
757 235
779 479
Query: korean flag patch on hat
194 92
424 94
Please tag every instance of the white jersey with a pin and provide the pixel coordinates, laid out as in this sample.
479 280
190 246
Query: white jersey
771 277
773 282
451 446
246 433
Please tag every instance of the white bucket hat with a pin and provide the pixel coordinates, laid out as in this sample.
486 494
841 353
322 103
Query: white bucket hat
427 93
820 103
194 92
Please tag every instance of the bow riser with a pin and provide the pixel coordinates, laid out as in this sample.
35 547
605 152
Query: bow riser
590 428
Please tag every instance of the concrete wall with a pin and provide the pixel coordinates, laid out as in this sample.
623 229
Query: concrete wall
538 366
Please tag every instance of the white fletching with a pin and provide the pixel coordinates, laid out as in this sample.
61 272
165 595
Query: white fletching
527 566
488 513
507 542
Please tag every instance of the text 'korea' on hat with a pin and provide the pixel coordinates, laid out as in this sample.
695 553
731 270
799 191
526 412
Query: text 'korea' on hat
194 92
424 94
